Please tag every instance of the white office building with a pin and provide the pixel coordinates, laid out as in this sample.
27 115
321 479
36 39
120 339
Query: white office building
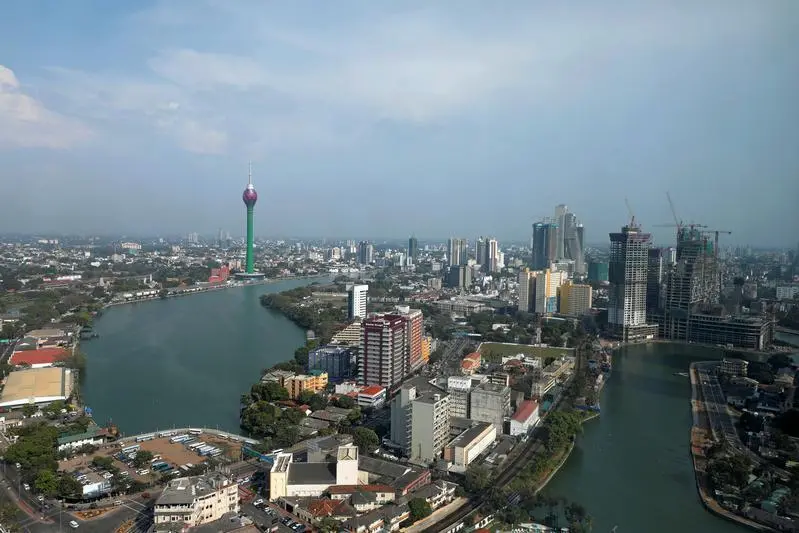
356 301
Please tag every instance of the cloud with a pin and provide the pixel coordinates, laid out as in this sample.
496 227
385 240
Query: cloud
228 76
27 123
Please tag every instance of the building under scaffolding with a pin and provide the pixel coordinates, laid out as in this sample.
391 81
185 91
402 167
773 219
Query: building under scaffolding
690 309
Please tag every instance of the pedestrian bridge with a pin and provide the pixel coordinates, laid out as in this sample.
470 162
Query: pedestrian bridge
188 431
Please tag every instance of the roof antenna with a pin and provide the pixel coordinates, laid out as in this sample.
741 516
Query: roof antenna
249 174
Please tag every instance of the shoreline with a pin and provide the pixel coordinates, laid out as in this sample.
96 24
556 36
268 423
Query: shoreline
697 460
190 291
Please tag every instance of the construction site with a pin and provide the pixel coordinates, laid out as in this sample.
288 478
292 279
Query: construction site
685 293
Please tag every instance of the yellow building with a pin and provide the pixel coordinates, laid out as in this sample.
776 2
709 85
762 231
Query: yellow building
300 383
426 342
575 300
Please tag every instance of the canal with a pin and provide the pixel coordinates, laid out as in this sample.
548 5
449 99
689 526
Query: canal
185 361
631 468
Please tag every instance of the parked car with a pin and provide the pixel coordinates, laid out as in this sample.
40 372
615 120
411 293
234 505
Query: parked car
259 501
73 524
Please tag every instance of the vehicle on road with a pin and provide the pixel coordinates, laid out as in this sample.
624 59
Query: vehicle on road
73 524
258 502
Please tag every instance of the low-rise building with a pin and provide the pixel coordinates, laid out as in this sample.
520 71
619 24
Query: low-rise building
372 397
734 367
469 445
288 479
524 419
314 381
38 386
41 358
196 500
93 435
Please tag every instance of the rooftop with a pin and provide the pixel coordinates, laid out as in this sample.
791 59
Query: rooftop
36 385
45 356
184 490
372 390
312 474
525 410
474 432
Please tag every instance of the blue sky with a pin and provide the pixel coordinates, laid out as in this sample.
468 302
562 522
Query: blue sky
367 119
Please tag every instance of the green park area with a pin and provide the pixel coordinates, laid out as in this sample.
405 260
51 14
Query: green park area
495 351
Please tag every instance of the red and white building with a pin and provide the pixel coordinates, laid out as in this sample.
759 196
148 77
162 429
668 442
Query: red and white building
382 357
525 418
41 358
373 396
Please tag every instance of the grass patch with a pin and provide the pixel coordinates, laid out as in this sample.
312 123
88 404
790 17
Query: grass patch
498 350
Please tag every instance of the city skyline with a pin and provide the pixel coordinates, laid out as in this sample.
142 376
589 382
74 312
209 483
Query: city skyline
603 102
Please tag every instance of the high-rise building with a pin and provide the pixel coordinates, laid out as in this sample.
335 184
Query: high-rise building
560 231
627 273
356 301
574 235
383 351
691 283
492 255
575 299
366 253
526 290
459 277
597 271
456 251
545 238
413 250
547 283
414 323
655 277
429 426
480 252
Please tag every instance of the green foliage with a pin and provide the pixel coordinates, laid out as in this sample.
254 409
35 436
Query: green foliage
732 470
324 318
142 458
102 461
29 409
788 422
419 509
365 438
315 401
345 402
9 513
477 479
46 482
35 448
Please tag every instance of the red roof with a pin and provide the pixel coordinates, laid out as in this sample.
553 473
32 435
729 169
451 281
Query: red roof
525 410
39 357
372 390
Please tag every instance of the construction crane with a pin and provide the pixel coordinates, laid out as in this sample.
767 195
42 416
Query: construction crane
677 221
630 210
716 233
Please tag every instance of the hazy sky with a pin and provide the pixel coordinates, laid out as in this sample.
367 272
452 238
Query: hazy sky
387 118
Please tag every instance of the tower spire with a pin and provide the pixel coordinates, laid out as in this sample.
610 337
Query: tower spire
249 173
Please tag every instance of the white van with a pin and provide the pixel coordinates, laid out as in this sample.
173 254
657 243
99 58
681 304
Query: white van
73 524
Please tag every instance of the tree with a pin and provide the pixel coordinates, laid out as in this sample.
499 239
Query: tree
779 360
29 409
788 422
477 479
143 457
419 509
366 439
344 402
46 482
9 513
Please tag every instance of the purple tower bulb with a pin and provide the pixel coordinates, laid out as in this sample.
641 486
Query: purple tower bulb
249 196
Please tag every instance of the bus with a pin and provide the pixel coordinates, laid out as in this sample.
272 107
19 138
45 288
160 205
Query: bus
195 445
179 438
130 449
142 438
166 433
196 431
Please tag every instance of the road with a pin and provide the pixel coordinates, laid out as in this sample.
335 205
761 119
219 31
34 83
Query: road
511 470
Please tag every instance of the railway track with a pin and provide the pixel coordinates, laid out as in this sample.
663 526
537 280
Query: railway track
502 479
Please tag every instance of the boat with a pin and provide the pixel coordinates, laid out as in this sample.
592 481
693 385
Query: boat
681 374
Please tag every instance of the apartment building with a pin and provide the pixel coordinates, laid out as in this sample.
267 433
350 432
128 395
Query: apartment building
197 500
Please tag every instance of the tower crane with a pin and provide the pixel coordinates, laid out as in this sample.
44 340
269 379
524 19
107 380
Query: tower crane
677 221
630 210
